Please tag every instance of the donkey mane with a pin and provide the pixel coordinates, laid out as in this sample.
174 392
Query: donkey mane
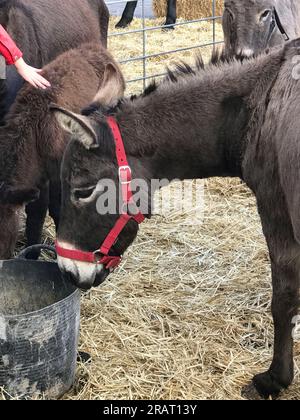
183 70
182 73
218 57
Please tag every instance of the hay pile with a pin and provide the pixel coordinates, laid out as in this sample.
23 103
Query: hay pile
187 315
190 9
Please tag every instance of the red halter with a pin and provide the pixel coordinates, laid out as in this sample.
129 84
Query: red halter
102 256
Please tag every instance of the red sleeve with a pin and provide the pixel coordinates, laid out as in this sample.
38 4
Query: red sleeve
8 48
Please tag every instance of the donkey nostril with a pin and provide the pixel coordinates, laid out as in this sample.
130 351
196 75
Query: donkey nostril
82 285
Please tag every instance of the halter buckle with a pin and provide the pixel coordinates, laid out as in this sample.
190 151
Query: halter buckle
125 175
109 262
97 257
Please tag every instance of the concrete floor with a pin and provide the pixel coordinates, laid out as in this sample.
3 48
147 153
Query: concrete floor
117 9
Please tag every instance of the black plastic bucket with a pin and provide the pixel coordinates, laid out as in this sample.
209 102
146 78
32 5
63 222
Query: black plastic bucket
39 329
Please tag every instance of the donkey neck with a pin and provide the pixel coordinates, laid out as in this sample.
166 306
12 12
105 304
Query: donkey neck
196 128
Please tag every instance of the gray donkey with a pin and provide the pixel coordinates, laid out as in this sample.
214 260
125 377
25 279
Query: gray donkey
251 26
238 119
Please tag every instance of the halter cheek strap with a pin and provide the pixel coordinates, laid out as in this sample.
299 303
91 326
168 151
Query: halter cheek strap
101 256
276 22
280 26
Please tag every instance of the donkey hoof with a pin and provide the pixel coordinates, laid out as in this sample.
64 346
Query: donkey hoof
268 386
250 393
168 28
123 24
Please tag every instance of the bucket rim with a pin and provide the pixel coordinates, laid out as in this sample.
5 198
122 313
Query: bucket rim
21 260
46 308
70 296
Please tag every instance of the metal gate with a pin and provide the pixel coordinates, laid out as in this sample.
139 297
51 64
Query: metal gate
146 56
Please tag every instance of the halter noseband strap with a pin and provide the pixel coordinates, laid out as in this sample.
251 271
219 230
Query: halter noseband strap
101 256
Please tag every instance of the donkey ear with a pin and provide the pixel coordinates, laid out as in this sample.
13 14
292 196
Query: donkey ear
77 125
14 197
112 88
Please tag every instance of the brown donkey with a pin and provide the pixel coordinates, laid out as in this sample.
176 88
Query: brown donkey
233 119
32 143
43 30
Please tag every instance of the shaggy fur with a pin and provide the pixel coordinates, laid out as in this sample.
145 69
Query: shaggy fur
43 30
238 119
32 143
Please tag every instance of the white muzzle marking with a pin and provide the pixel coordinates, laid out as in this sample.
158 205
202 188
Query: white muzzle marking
85 272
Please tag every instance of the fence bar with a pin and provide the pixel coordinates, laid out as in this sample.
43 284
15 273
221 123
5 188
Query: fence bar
144 45
140 58
144 30
155 28
110 3
214 21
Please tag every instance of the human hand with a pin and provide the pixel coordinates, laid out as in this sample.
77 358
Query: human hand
31 74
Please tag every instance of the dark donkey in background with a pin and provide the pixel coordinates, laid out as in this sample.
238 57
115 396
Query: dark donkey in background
130 7
43 30
234 119
251 26
32 143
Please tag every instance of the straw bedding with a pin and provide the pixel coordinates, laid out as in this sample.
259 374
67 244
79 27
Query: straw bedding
190 9
187 315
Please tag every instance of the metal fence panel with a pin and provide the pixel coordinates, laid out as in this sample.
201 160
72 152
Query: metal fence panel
145 29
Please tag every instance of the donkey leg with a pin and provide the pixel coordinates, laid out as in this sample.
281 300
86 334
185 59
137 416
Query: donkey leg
285 261
171 14
104 23
55 201
284 309
36 214
128 15
9 229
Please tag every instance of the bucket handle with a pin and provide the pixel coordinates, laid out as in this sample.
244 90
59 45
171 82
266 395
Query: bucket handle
35 248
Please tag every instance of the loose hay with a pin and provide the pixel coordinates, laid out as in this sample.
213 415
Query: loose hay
187 315
190 9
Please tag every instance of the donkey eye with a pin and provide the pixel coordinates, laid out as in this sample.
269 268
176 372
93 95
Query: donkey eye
265 15
83 194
